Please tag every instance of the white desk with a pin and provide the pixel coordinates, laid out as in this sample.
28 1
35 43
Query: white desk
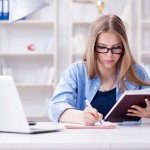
124 137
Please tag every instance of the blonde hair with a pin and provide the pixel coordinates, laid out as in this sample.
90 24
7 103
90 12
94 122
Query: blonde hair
111 23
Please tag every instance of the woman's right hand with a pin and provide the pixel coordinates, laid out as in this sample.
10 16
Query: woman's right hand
90 116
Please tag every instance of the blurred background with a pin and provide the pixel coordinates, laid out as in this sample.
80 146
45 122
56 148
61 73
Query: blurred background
38 48
75 16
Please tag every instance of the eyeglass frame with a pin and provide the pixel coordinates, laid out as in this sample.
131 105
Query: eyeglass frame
109 49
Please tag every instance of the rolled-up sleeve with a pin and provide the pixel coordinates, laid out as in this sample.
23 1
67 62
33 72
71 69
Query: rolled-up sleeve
65 94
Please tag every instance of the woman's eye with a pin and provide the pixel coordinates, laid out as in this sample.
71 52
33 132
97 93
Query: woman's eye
102 47
119 47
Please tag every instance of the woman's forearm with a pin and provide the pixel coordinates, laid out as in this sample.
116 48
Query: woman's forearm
72 116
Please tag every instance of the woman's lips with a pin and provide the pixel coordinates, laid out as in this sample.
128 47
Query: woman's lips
109 61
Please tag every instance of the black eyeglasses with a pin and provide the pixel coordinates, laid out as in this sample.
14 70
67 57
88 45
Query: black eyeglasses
115 50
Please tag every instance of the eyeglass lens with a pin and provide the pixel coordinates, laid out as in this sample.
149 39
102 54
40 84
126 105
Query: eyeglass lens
114 50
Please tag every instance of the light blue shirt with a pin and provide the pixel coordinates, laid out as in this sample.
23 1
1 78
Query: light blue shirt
75 85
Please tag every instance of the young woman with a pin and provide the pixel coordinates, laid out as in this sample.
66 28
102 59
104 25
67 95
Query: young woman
105 72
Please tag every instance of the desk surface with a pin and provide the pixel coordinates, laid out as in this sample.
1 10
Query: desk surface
123 137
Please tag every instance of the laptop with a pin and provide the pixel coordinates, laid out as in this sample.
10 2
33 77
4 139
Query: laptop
12 115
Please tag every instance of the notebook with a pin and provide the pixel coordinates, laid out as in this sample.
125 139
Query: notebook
12 115
106 125
129 98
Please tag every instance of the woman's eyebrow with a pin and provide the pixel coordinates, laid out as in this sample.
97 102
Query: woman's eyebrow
101 44
107 45
117 44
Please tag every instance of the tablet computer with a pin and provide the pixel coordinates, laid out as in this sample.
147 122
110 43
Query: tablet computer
129 98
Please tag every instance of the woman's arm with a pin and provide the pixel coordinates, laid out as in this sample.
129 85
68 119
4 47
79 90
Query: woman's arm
87 117
64 97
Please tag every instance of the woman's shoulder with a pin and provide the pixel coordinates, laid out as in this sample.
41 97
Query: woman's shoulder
77 69
79 65
140 70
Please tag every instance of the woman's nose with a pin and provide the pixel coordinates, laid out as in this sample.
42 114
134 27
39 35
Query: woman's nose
110 52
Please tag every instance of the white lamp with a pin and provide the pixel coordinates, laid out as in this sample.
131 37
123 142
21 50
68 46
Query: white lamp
22 8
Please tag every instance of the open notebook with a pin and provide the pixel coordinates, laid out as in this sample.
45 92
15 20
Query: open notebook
12 116
106 125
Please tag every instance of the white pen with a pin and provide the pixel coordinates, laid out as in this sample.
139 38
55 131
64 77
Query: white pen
89 105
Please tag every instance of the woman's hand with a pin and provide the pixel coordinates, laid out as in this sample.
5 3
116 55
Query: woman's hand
139 111
90 116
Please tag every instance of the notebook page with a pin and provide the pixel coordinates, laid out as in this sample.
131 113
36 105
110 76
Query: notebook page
106 125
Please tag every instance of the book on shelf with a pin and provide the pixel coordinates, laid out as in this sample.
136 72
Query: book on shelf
51 74
44 75
50 44
41 75
6 71
1 9
125 11
4 9
117 9
129 98
84 11
78 43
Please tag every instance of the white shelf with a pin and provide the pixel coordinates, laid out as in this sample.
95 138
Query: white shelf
145 21
28 54
145 53
78 22
34 71
144 31
83 1
27 85
27 22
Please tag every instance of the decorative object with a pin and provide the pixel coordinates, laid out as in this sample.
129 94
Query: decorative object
31 47
100 5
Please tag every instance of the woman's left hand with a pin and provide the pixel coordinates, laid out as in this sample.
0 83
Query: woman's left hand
140 111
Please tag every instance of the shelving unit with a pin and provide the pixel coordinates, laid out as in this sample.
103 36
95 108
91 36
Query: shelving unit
144 32
82 14
34 71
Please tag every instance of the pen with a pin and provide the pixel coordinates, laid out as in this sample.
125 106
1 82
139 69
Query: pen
89 105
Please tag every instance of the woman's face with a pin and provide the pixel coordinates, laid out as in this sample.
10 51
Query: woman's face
108 49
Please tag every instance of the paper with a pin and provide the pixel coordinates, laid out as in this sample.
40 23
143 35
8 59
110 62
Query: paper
106 125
